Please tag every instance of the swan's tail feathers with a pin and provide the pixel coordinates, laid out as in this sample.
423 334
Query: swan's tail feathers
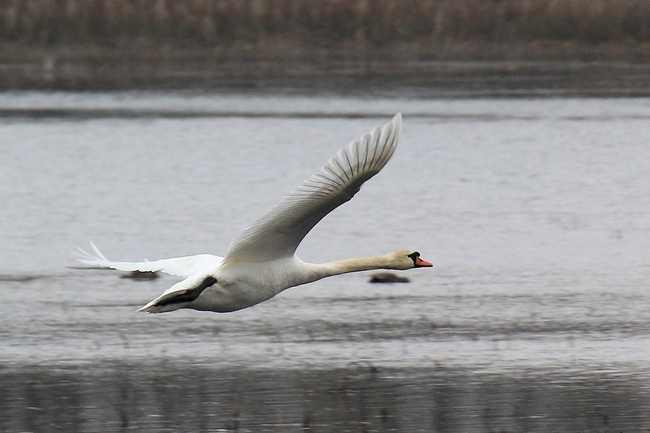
179 295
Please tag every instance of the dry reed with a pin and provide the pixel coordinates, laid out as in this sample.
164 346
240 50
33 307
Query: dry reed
320 22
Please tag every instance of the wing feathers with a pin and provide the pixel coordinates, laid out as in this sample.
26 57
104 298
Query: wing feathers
180 266
279 232
181 293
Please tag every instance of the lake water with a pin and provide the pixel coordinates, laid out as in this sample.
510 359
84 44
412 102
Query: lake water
535 213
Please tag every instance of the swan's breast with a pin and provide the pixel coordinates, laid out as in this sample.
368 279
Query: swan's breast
243 284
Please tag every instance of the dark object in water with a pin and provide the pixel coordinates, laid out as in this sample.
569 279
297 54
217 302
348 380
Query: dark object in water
141 275
387 277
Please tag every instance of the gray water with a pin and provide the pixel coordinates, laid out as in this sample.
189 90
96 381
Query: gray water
534 212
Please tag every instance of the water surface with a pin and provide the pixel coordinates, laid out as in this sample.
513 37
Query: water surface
534 318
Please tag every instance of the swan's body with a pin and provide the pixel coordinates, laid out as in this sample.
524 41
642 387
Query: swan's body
260 262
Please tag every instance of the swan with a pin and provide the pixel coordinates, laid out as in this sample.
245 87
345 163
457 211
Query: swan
261 261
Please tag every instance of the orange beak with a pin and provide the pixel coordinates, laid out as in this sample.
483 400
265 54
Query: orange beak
419 263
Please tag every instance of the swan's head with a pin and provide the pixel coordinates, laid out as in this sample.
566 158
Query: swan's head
407 259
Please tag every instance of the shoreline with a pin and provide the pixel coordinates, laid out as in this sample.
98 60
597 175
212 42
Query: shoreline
463 69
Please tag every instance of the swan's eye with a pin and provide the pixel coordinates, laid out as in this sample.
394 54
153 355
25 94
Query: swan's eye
414 256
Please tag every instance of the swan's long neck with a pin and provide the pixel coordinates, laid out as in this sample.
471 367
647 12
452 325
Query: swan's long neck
316 271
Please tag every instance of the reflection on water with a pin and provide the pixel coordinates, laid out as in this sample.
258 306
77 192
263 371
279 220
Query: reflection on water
362 398
534 212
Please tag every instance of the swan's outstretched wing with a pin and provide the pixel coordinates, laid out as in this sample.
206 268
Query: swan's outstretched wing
181 266
182 292
279 232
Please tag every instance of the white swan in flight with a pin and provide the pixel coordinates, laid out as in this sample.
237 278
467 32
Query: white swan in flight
260 262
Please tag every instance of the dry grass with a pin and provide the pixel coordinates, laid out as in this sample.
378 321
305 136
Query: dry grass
320 22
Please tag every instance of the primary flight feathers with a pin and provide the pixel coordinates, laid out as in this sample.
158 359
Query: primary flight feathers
179 266
280 231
